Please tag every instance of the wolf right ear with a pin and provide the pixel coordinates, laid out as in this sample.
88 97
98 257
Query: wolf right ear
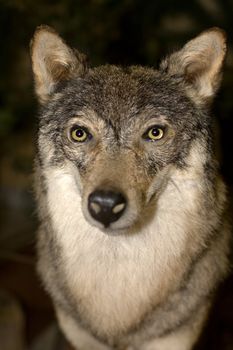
53 61
199 64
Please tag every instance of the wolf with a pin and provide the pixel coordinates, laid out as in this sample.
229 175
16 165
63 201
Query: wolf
134 236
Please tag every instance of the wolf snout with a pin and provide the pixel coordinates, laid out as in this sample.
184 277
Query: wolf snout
106 206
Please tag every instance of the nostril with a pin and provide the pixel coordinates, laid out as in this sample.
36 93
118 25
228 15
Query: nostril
95 207
118 208
106 206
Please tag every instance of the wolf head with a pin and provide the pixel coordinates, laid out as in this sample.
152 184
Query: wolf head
119 132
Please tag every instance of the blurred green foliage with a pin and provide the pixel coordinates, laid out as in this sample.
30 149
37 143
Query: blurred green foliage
115 31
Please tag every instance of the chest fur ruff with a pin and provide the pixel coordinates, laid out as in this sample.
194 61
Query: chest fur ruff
117 280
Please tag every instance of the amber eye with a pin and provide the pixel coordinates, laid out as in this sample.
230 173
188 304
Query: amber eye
154 134
79 134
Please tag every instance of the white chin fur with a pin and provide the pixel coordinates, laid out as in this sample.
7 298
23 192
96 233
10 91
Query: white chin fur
114 266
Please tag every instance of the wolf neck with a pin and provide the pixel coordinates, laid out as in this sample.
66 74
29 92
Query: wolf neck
97 267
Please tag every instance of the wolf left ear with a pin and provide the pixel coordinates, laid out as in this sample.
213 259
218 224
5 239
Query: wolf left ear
199 64
53 61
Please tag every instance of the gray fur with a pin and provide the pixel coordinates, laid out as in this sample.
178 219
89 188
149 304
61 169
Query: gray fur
147 281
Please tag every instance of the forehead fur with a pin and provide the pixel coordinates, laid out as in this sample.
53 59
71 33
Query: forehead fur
115 93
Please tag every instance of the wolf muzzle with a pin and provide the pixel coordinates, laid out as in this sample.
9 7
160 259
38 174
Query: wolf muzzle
106 206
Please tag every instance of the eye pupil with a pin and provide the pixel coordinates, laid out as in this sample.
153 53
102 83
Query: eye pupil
79 132
155 131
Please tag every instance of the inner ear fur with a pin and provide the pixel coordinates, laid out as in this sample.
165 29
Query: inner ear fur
53 61
199 64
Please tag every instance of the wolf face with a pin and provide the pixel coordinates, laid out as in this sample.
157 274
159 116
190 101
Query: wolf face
129 195
121 130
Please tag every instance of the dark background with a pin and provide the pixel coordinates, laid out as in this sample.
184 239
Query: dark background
113 31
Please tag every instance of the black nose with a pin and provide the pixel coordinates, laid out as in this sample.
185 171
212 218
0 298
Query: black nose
106 206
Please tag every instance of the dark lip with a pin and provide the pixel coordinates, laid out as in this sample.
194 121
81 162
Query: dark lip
117 232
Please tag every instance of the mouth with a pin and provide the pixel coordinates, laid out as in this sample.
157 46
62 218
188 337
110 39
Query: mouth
119 227
126 230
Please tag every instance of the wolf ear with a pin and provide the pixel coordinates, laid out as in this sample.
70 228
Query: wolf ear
53 61
199 64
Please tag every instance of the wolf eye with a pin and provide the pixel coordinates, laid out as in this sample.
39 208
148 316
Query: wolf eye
79 134
154 134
